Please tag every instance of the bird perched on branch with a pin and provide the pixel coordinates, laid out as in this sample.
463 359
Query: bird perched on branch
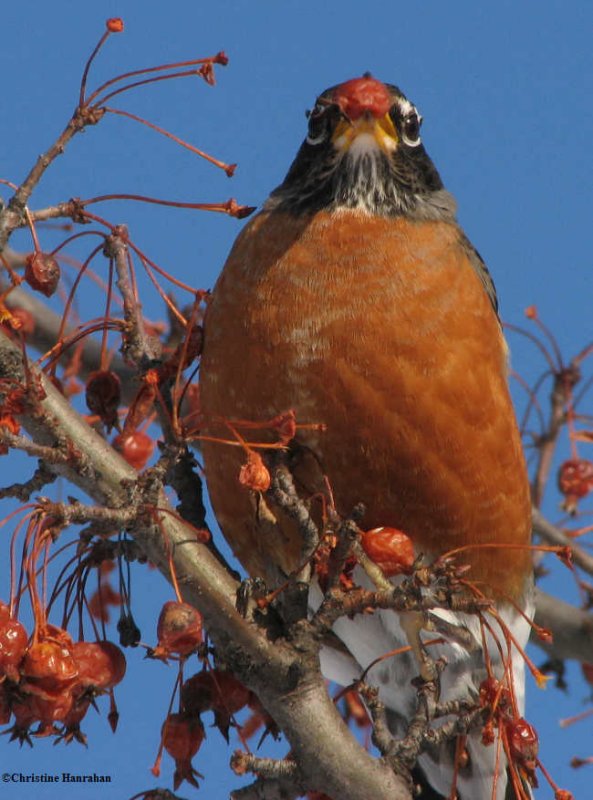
355 299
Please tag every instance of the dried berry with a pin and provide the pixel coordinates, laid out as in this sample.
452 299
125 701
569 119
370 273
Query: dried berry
136 447
390 549
182 738
101 665
42 272
74 717
523 743
575 480
217 691
114 24
103 395
48 666
13 643
494 694
179 630
49 708
254 474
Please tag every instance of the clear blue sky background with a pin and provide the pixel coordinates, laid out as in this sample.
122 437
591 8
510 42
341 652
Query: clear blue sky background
506 90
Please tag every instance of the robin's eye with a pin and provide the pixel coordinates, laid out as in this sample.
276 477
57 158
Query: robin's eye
318 124
410 127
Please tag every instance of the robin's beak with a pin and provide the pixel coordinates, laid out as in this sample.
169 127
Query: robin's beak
367 131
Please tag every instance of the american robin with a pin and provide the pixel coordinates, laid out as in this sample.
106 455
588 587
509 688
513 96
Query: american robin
356 299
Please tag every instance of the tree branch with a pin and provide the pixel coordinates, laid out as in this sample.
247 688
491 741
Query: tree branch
12 215
554 536
571 628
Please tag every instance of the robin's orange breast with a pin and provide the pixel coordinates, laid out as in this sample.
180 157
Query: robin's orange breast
381 329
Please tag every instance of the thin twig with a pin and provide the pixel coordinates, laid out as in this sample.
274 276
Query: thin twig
242 763
283 492
23 491
405 597
564 382
51 455
571 628
138 347
262 789
555 536
13 215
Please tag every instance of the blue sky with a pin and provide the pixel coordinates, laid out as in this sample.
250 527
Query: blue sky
506 91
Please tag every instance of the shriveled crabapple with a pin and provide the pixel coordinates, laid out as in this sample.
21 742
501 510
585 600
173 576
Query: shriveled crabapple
254 474
48 709
575 481
114 24
494 694
48 665
218 691
103 396
42 272
390 548
179 630
71 722
182 738
523 745
101 665
13 644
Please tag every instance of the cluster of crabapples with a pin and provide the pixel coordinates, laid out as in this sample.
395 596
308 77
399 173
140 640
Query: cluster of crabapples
518 738
48 681
215 690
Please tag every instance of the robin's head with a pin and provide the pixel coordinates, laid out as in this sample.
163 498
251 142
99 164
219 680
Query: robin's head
363 150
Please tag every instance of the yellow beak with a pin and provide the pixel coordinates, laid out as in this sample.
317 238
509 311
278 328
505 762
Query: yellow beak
381 132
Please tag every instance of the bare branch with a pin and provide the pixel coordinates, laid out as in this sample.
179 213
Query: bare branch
51 455
283 493
137 346
278 779
38 481
12 216
549 439
554 536
271 789
413 594
571 628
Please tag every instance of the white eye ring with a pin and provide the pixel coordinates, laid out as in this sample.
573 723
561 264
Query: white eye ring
317 139
317 112
417 140
412 142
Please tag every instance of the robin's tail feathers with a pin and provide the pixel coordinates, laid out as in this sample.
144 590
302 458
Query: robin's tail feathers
483 771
